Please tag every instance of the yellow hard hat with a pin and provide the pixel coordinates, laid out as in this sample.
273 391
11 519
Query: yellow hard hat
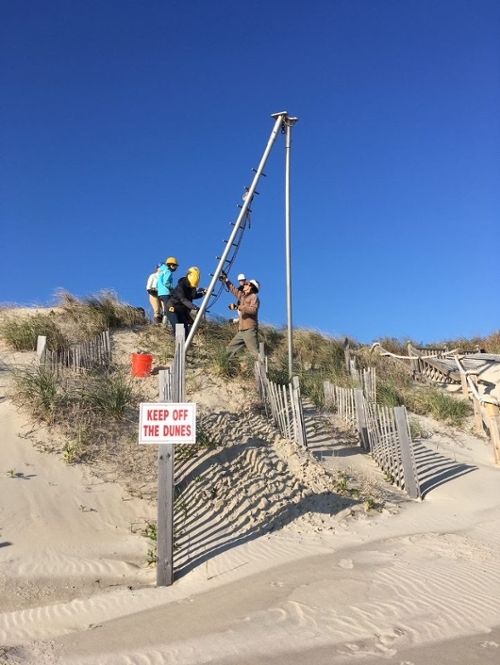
193 275
172 259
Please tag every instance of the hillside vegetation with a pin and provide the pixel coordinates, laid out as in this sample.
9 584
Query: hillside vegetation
97 405
240 467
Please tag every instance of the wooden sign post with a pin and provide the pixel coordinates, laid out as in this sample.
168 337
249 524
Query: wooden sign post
168 422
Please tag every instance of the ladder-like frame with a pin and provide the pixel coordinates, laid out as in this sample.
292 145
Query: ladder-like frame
232 244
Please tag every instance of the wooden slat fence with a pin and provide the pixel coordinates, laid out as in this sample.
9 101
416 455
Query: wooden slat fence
343 401
369 383
385 432
173 379
366 379
94 353
283 404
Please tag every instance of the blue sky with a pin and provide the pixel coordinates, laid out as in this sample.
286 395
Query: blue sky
130 128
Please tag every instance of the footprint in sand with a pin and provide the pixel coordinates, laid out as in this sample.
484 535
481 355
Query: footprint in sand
346 563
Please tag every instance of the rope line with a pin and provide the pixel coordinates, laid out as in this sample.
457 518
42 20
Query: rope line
394 355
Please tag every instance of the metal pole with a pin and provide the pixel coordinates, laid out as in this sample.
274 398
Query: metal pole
279 120
289 122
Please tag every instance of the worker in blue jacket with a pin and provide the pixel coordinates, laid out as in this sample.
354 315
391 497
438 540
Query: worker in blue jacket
165 282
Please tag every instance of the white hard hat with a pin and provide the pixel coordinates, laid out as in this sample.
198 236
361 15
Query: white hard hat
255 283
241 276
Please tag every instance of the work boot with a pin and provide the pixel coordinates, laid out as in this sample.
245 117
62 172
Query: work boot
158 319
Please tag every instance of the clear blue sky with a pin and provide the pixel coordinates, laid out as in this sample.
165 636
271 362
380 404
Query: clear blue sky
130 128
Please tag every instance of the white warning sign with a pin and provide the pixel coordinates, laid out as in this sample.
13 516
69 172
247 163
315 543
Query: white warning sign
167 422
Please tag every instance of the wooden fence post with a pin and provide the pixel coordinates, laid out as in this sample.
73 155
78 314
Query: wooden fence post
354 372
347 355
478 416
494 426
41 347
107 345
409 351
463 382
262 355
165 522
327 392
299 415
411 481
361 418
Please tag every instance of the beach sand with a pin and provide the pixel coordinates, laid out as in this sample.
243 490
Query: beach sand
279 570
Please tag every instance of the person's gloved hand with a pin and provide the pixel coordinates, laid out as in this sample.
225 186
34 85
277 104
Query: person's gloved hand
233 305
223 276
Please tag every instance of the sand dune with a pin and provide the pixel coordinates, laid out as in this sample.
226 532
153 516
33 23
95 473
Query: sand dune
277 568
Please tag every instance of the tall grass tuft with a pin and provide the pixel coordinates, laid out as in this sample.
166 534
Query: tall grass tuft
221 364
394 345
272 338
439 404
21 332
99 312
317 353
215 332
312 386
109 393
490 344
278 375
389 394
40 390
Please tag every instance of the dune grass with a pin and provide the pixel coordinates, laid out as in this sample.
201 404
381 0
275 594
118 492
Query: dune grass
84 405
71 320
440 405
103 311
72 399
95 412
488 344
21 332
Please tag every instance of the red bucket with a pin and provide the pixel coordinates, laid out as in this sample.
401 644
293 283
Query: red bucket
141 364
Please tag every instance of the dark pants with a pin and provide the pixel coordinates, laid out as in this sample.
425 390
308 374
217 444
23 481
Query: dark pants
179 317
164 301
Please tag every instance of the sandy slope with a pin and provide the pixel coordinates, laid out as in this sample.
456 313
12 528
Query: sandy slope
275 569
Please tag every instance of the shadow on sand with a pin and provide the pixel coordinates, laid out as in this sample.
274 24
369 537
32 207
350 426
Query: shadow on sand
236 517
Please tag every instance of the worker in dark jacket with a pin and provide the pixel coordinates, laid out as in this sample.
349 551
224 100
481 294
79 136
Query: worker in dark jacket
180 304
